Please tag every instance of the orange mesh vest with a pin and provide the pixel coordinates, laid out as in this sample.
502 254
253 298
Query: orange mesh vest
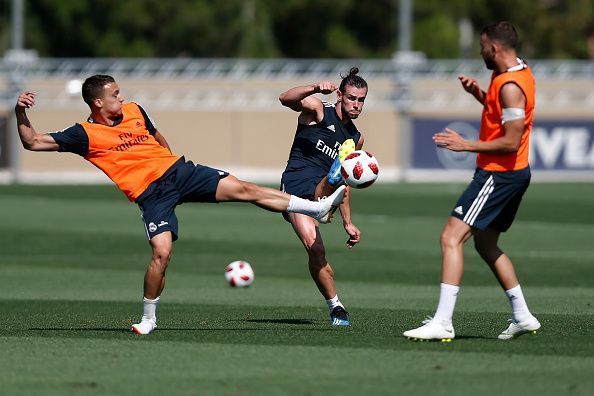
127 153
492 127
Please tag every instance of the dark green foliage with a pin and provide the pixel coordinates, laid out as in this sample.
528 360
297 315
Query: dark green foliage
291 28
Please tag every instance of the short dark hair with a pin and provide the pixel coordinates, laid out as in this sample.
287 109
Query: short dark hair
92 88
352 79
503 32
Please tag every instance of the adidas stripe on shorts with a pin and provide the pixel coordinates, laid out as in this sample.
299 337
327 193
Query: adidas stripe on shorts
492 199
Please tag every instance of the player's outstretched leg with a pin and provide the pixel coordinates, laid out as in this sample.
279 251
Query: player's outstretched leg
321 210
232 189
431 330
516 329
334 176
330 204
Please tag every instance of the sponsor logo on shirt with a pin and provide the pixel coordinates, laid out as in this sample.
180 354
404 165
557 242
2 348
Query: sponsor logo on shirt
331 152
129 141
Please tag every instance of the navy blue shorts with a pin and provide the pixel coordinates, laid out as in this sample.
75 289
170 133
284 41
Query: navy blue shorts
302 184
492 199
183 182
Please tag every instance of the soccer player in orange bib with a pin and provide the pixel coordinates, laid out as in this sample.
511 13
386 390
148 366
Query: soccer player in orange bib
120 139
488 206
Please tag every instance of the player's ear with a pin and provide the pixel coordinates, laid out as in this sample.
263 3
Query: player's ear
495 47
98 102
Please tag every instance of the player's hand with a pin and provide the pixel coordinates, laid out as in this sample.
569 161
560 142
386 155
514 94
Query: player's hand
450 140
25 100
326 87
470 85
354 234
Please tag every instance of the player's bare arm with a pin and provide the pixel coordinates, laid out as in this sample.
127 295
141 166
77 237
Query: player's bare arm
359 145
350 228
471 86
345 212
30 139
511 97
300 99
161 140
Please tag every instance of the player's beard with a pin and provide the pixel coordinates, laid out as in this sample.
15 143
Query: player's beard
490 63
348 114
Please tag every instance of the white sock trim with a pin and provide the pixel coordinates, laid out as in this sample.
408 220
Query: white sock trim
447 302
303 206
518 304
333 303
149 308
148 300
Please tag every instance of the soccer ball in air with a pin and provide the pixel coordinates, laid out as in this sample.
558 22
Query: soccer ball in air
239 274
359 169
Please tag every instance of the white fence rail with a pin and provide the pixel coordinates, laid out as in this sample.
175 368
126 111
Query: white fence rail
411 85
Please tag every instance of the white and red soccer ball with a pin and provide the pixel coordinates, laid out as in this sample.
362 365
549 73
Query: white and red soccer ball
239 274
359 169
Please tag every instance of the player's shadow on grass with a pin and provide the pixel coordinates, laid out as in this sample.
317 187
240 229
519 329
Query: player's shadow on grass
111 330
127 330
163 329
473 337
281 321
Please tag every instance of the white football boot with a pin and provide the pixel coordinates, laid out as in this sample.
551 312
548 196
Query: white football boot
516 329
431 331
145 326
330 204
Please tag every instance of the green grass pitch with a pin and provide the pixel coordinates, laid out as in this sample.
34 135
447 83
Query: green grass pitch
73 258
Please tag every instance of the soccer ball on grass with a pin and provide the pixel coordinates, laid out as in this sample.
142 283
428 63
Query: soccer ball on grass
359 169
239 274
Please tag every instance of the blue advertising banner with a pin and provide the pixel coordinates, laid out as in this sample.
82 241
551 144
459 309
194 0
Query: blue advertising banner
554 145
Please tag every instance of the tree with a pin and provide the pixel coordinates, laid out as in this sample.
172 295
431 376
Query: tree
558 29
